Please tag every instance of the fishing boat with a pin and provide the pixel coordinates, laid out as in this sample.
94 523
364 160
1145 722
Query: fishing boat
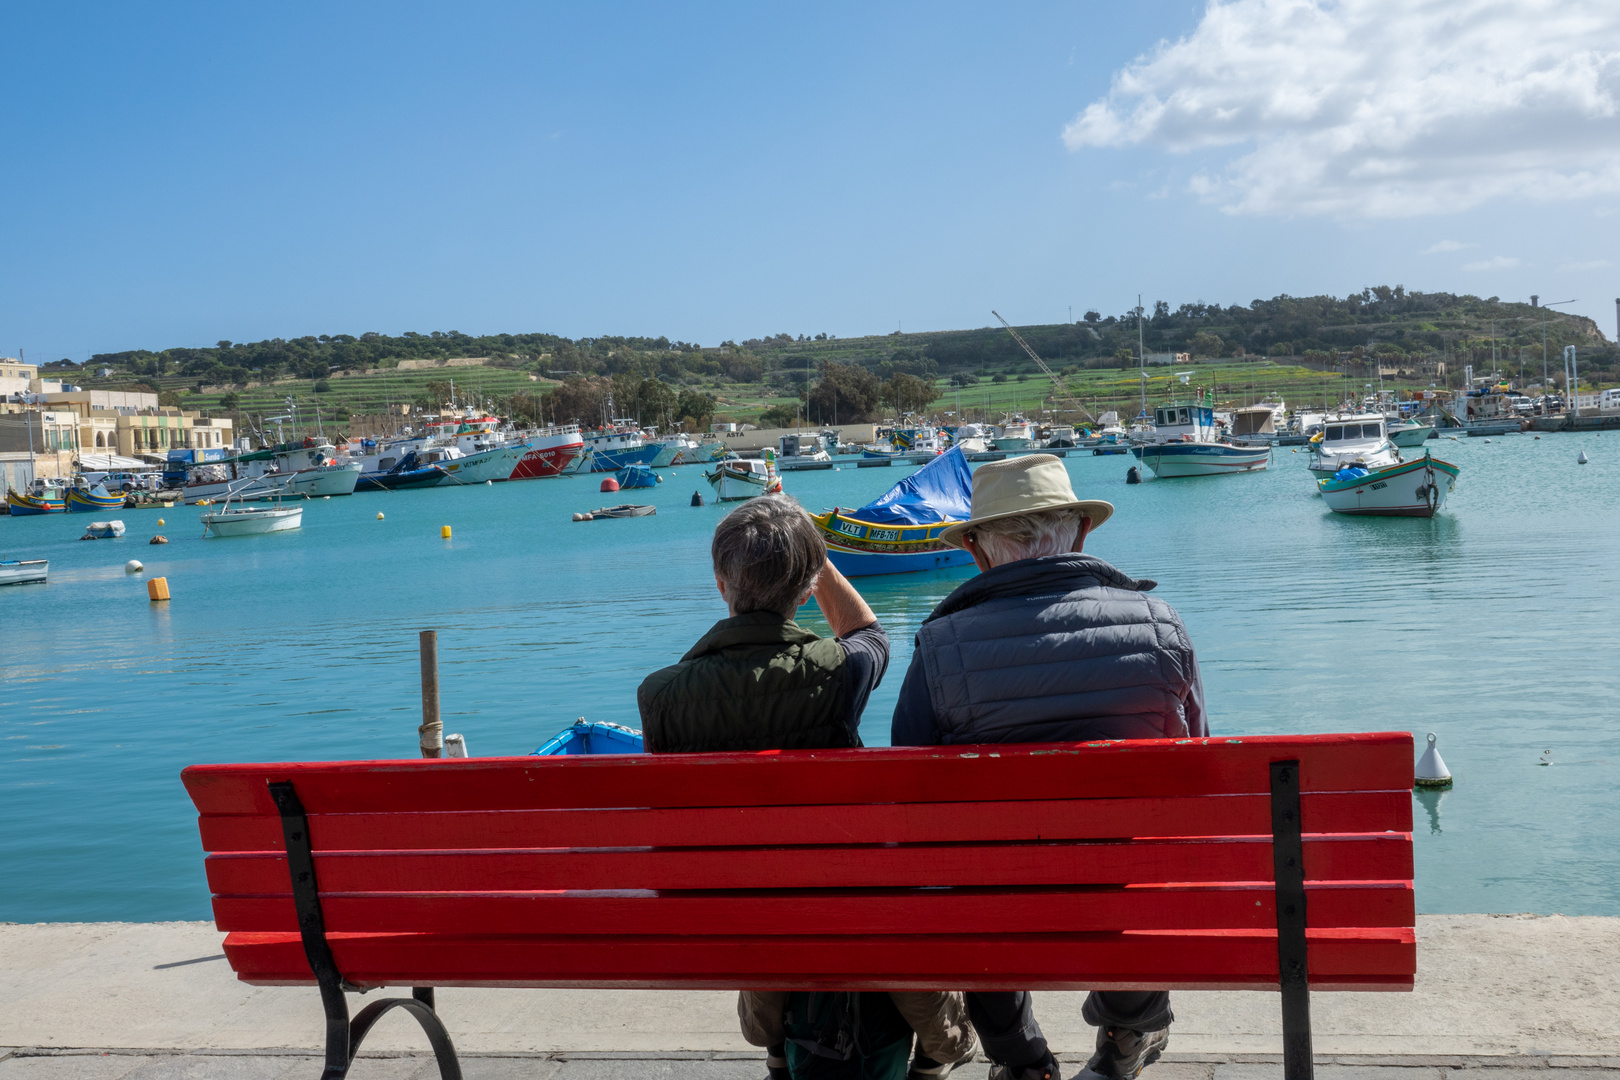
736 477
803 451
671 448
611 448
95 497
1409 433
394 469
23 571
1352 439
898 532
1015 433
252 520
1415 488
584 737
972 439
306 467
623 510
551 452
1185 443
639 475
42 497
472 450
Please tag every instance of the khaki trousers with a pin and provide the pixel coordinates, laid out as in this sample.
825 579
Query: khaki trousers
939 1017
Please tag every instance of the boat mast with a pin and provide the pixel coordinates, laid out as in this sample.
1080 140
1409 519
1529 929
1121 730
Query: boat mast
1141 352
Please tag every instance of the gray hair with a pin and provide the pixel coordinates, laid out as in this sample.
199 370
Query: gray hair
1027 536
768 552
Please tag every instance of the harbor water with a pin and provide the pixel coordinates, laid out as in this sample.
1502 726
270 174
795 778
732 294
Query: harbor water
1492 625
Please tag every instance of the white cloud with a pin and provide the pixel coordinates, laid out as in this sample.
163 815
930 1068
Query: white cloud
1500 262
1379 108
1444 246
1590 264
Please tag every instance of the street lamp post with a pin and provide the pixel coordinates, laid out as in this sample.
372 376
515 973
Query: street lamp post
1544 369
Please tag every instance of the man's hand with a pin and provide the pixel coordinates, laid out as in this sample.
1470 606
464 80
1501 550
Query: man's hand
840 604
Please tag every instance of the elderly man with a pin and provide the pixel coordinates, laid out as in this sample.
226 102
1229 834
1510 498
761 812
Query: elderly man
1048 644
759 681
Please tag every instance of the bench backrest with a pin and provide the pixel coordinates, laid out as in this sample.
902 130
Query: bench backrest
1104 865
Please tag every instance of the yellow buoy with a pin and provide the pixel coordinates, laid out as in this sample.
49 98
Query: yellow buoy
444 531
379 515
157 589
160 521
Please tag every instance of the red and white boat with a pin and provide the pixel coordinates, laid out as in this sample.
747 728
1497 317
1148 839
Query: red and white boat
551 450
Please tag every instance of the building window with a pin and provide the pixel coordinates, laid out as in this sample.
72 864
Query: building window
99 441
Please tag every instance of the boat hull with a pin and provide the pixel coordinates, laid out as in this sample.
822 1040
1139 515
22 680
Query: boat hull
23 571
599 460
254 522
862 549
326 480
1410 437
24 505
1411 489
495 463
852 563
390 481
732 486
547 458
85 501
1171 460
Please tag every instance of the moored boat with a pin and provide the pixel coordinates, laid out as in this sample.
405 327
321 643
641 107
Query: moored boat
1353 439
623 510
585 737
23 571
736 477
40 498
1409 433
1406 489
898 532
1016 433
611 448
636 476
1185 443
96 497
551 451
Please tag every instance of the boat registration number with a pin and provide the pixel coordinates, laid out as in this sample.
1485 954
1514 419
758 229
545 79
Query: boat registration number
849 528
883 534
1380 485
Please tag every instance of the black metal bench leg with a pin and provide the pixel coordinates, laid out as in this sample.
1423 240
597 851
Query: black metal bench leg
343 1038
1288 864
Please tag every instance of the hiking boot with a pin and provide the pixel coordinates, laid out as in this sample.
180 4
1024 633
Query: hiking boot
1122 1054
1046 1070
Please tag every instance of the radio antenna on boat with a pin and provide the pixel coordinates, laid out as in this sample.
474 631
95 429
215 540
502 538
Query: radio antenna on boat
1057 380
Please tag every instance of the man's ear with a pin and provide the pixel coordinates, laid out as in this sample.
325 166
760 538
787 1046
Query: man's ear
721 585
1080 533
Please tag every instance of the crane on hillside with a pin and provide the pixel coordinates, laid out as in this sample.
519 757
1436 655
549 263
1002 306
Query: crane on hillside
1057 380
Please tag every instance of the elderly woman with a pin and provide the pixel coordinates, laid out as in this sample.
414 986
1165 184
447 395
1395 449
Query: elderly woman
759 681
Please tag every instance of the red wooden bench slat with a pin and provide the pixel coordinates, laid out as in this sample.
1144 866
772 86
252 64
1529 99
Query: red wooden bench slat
1372 958
1356 762
1382 857
1250 905
931 822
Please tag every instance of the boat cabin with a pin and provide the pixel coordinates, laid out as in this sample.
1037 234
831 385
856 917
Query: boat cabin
1180 421
1366 431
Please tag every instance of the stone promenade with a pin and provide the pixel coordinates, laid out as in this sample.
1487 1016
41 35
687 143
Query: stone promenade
1497 998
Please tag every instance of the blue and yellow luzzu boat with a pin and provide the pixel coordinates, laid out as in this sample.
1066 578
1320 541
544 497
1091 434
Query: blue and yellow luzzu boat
23 505
899 532
95 498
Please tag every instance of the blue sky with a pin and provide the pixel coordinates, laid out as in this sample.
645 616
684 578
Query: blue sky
176 174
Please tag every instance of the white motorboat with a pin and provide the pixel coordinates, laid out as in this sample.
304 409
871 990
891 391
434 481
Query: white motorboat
252 520
1185 443
1409 433
471 451
737 477
306 468
1016 433
23 571
671 448
103 530
803 451
1416 488
972 439
1353 439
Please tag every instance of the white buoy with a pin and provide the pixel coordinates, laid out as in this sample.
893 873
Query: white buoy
133 566
1431 769
579 517
489 483
1546 758
379 515
1582 459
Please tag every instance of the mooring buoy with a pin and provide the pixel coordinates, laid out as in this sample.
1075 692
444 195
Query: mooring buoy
1431 771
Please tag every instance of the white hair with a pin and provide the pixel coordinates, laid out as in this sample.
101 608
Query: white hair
1027 536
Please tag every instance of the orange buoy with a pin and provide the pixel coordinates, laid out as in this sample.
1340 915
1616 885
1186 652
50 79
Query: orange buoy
610 484
157 589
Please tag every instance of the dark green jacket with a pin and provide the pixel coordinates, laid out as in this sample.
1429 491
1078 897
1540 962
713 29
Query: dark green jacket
753 682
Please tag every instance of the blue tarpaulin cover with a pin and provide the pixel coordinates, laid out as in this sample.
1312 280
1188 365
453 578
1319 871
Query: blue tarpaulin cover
941 490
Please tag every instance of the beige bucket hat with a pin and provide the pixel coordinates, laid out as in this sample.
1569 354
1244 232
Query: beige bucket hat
1024 485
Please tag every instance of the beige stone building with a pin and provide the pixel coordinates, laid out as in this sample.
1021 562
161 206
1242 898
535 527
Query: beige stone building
129 424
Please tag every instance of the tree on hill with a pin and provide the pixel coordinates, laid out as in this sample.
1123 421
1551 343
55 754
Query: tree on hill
907 393
846 394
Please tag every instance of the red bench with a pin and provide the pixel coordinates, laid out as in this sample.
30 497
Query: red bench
1110 865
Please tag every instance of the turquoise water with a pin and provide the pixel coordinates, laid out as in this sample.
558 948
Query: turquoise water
1492 625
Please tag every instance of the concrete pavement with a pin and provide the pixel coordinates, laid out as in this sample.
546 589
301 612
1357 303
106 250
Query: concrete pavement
156 1000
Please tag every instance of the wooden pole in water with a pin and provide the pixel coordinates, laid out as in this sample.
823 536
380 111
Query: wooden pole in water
431 733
